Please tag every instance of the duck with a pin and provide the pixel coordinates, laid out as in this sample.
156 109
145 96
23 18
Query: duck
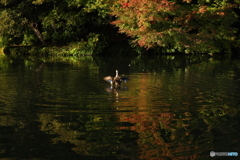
117 80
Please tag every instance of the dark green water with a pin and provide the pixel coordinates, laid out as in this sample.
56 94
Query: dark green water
172 107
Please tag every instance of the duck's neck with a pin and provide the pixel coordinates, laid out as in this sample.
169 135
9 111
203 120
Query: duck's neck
116 73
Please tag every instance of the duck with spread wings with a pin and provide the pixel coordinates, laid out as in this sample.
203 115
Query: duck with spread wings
117 80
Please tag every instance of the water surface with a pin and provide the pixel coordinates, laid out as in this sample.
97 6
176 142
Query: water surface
172 107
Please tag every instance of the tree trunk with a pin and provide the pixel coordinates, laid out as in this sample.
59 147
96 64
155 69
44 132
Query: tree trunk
34 26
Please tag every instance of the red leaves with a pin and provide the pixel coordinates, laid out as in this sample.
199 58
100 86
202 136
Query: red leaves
165 23
125 4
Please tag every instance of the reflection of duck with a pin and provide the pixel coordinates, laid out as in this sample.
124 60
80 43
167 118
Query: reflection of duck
114 92
117 80
40 67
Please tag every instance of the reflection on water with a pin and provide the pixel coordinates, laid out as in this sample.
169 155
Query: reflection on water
170 108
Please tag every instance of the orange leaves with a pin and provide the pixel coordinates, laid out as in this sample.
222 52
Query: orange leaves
177 25
140 19
221 13
202 9
165 6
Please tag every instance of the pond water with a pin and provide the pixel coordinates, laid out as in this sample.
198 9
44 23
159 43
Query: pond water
172 107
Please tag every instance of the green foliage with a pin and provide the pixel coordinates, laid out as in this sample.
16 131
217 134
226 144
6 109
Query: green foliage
29 39
10 30
102 6
94 45
54 22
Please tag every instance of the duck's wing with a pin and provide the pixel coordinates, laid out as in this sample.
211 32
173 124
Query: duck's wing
109 79
124 79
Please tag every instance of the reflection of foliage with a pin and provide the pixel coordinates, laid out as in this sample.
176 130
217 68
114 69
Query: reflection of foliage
91 134
174 114
216 115
166 63
33 62
183 135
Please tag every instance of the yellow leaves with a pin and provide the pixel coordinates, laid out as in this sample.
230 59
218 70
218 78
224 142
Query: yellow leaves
188 1
38 2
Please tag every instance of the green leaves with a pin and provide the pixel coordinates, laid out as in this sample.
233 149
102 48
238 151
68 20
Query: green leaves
102 6
57 22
